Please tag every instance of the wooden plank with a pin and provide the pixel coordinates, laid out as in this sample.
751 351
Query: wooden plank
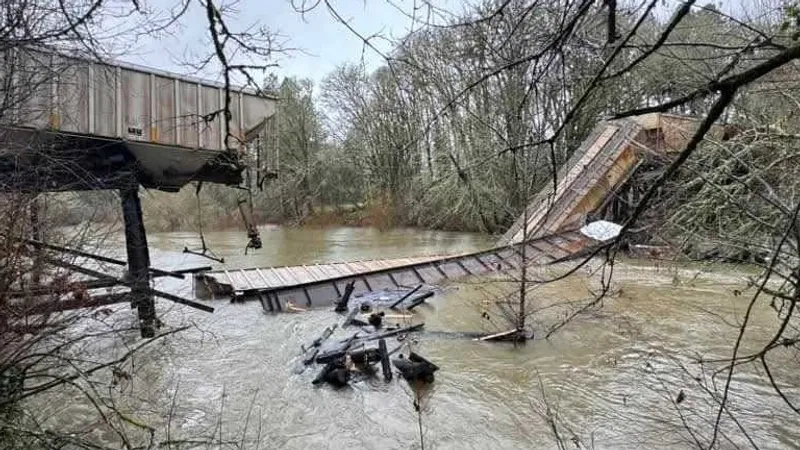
277 302
499 335
246 278
263 278
350 268
453 269
383 264
366 283
308 271
289 273
439 269
531 253
328 270
549 249
464 268
230 280
278 276
266 303
323 275
334 270
414 269
336 288
558 244
486 266
273 277
503 260
363 267
298 274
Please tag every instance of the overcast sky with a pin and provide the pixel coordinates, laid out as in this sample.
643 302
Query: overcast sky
320 42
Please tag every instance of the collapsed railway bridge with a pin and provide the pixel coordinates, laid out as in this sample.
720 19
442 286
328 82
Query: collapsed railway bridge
589 188
72 124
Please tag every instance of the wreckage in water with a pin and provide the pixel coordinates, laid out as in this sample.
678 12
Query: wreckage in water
279 288
363 343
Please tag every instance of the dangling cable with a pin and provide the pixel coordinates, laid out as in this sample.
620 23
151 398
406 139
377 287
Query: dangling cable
205 251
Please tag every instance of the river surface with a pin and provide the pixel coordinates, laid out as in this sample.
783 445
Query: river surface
608 379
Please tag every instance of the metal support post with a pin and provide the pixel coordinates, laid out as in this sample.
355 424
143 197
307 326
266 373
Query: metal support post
138 260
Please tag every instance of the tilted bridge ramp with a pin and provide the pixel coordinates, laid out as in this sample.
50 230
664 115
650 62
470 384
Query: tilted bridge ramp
598 168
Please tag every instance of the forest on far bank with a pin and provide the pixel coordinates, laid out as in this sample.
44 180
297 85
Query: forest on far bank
439 137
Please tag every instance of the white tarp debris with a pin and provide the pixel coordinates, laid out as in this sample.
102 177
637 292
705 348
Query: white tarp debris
601 230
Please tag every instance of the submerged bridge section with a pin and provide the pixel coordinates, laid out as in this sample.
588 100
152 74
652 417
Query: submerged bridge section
322 284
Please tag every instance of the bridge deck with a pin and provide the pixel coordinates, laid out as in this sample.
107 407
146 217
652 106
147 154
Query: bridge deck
321 284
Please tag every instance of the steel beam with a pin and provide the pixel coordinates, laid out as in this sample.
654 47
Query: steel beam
138 260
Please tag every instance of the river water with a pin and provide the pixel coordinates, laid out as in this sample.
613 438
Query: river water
608 379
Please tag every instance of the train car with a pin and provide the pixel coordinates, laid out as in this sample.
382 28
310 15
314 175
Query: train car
110 119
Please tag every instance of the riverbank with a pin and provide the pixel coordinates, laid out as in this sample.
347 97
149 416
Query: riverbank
231 221
214 210
214 218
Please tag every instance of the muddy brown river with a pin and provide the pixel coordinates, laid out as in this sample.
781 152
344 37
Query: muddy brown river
609 379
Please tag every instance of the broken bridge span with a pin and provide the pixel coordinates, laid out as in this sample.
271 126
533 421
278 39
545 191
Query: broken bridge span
585 186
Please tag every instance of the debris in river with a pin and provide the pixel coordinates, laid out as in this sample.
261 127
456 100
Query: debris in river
365 356
400 300
510 335
397 316
358 354
387 369
601 230
416 301
376 319
291 307
349 318
341 304
415 368
334 373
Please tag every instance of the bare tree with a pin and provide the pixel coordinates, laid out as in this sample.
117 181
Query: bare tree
60 336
